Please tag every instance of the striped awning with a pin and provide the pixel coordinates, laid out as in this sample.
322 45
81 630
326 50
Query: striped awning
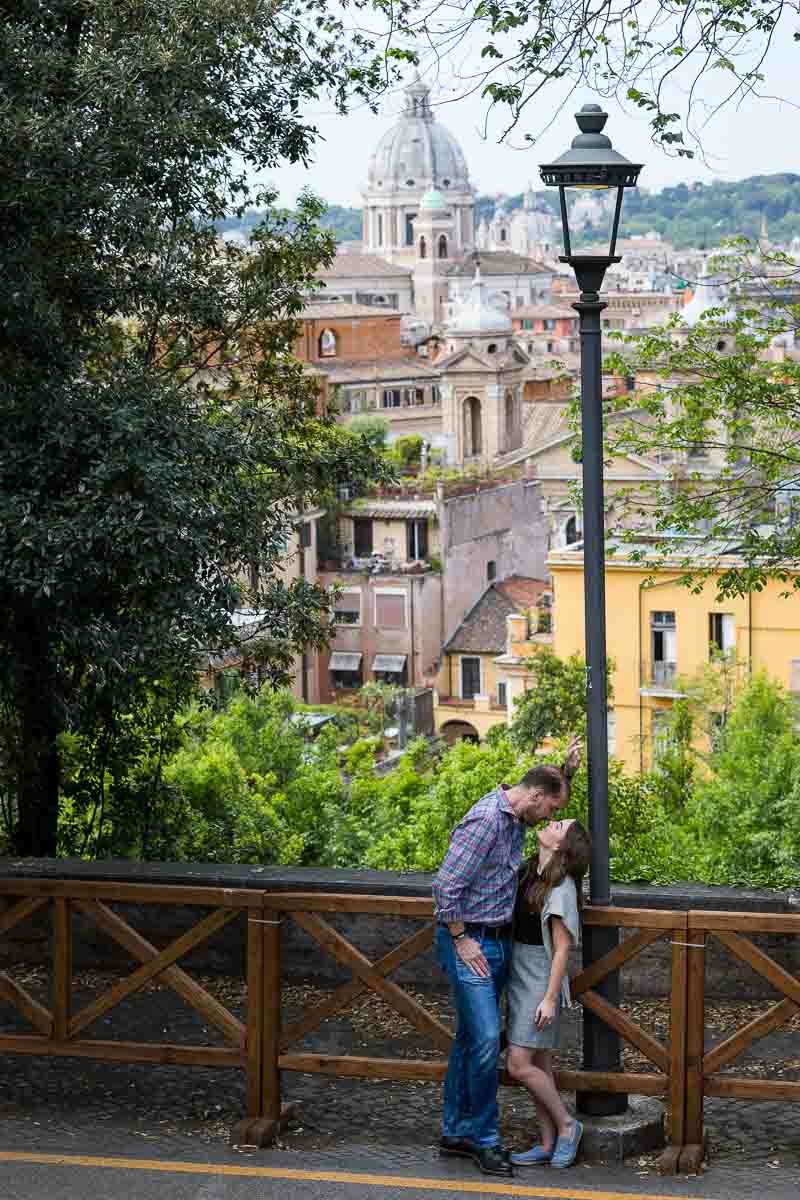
389 663
344 662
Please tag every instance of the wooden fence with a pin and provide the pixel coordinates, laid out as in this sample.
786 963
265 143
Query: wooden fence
682 1071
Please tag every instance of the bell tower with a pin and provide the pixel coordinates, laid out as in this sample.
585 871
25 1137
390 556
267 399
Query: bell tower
433 245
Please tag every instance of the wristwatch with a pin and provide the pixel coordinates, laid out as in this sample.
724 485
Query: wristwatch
458 936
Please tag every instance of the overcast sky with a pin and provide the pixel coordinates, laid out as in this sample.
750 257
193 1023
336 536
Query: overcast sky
761 136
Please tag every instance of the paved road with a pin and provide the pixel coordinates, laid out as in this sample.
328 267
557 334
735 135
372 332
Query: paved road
122 1172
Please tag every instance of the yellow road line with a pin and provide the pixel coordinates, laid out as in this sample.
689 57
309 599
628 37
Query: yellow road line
394 1181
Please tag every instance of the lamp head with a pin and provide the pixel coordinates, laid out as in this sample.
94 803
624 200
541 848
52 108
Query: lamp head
591 164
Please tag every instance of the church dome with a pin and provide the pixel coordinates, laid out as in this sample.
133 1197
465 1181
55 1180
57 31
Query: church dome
417 150
708 294
433 201
476 314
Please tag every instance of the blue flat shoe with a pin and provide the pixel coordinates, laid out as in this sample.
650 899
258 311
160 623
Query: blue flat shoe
566 1150
535 1157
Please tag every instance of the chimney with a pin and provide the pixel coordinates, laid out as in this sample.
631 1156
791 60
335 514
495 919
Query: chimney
516 630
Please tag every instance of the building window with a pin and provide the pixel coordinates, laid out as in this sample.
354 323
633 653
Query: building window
423 249
327 344
502 235
346 679
304 534
611 726
659 733
390 610
551 347
380 229
410 228
347 609
502 694
663 646
527 323
442 251
354 400
571 531
413 396
472 427
470 678
721 633
417 539
362 537
549 324
391 397
491 348
391 669
491 570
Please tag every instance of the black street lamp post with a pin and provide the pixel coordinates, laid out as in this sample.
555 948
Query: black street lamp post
592 163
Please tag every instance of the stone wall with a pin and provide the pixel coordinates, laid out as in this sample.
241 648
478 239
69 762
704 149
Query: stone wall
303 961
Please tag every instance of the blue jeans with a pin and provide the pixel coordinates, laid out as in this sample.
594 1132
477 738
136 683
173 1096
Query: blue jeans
470 1089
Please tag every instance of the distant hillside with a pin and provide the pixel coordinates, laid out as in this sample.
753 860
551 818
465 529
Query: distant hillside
701 216
345 222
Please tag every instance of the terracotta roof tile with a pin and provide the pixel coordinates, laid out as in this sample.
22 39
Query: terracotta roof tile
483 630
351 265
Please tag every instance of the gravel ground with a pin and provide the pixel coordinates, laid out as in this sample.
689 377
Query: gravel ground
202 1103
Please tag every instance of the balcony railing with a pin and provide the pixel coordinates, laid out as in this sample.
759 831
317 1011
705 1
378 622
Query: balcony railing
663 674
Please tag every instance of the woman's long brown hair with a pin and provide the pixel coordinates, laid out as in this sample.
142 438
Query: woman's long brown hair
572 858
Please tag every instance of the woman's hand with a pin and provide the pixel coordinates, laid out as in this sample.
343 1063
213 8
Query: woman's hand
545 1013
470 953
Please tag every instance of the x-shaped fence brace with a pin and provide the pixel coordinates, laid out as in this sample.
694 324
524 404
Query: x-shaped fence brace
154 963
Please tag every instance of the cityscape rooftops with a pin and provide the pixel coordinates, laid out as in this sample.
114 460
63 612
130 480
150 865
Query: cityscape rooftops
386 370
331 309
483 629
352 265
499 262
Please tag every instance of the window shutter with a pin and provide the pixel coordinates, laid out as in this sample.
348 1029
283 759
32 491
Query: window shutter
390 611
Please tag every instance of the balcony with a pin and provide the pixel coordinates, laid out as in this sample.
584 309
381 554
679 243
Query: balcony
339 561
663 674
659 678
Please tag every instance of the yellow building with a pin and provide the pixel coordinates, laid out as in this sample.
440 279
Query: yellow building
659 631
484 665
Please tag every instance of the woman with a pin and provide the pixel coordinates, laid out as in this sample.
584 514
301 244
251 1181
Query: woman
546 927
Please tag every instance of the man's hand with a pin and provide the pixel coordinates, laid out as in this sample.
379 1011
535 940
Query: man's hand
470 953
572 759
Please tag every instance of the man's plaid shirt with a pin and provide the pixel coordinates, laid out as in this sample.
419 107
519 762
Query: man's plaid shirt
477 882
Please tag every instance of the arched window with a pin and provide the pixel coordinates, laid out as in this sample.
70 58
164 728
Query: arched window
511 430
502 235
423 249
571 531
327 344
473 440
442 246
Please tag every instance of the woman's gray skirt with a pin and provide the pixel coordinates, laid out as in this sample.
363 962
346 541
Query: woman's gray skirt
527 986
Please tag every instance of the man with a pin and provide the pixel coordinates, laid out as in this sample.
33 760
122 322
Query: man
474 894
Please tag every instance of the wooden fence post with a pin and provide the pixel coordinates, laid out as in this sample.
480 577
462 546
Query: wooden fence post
271 1027
692 1157
669 1160
264 1111
62 968
255 1006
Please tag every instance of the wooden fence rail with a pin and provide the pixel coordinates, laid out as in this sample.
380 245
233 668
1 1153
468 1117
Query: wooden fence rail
680 1069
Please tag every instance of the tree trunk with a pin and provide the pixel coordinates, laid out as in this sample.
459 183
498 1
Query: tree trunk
39 722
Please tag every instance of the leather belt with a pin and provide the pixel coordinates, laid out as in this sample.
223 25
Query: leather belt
497 932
